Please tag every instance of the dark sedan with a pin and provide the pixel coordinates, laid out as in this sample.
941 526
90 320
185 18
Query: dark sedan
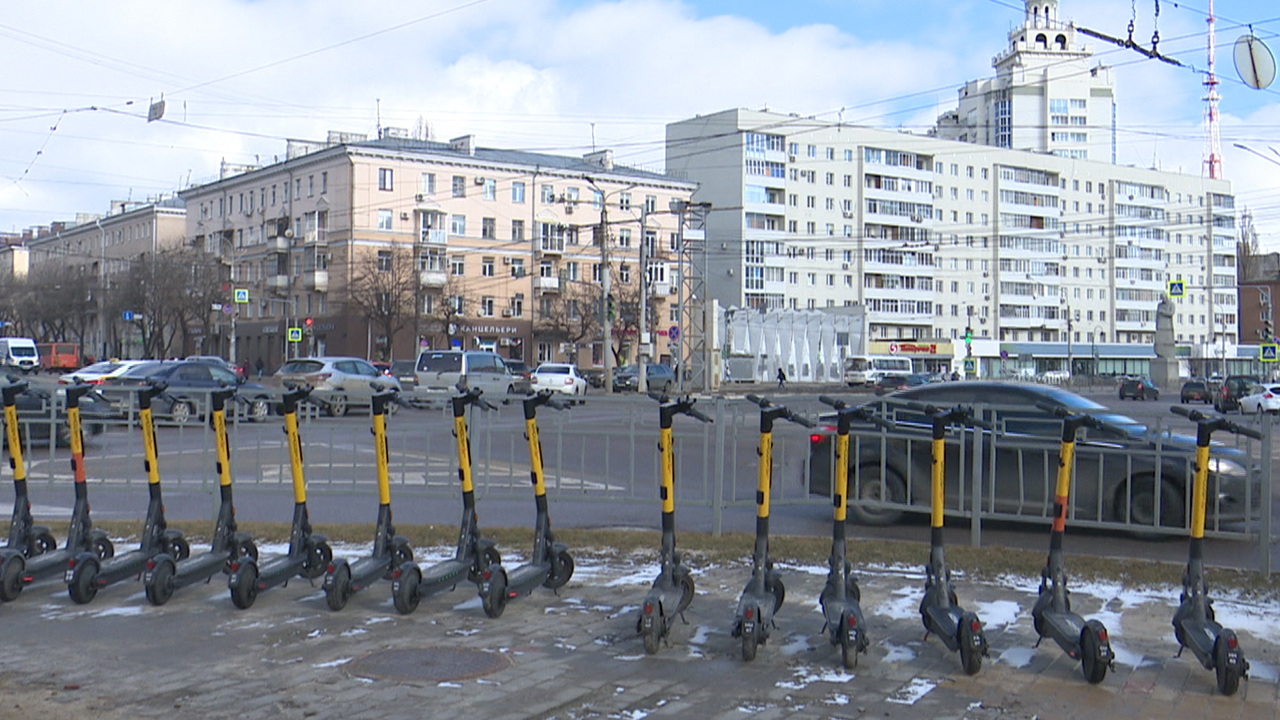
1197 390
187 395
1115 479
40 410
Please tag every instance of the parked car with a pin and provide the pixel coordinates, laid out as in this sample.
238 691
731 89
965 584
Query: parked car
96 373
36 408
894 383
560 377
1197 390
187 395
658 377
220 362
440 371
523 375
1233 388
1261 398
403 370
1138 389
1115 477
594 376
337 382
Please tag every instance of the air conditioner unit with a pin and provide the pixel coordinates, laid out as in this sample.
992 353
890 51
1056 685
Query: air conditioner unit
479 181
404 216
568 209
506 261
791 158
507 313
848 215
844 266
419 197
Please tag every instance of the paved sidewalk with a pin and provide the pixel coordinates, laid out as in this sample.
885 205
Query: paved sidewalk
576 655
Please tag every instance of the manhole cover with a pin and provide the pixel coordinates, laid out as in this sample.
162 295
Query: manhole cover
431 664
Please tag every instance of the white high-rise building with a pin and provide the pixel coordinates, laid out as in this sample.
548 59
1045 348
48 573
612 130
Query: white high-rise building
1047 95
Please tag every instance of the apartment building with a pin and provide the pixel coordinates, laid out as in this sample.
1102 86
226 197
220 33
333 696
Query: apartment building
1054 258
106 246
504 245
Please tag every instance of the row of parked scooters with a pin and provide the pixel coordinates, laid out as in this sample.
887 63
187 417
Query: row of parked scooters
164 562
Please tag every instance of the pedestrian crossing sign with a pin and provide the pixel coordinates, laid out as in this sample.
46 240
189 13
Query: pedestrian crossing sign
295 334
1268 352
970 366
1177 289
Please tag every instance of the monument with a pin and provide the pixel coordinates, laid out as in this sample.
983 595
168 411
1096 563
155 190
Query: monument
1164 367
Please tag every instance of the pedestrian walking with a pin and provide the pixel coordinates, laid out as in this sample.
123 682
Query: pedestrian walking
259 365
782 379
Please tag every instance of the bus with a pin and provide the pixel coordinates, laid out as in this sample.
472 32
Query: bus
867 370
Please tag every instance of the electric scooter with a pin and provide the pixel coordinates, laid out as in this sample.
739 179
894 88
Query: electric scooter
342 578
959 629
86 573
764 593
165 573
841 597
1217 648
673 589
309 553
1082 640
550 565
409 583
27 559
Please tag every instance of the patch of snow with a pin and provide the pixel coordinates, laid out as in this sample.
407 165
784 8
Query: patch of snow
471 604
628 658
807 675
1262 671
998 614
449 685
126 610
903 604
897 653
795 645
1018 657
333 663
911 693
837 699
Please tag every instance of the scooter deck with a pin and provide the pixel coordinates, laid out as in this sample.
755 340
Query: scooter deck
280 570
1200 636
369 569
120 567
443 575
50 562
945 622
525 578
1064 628
199 567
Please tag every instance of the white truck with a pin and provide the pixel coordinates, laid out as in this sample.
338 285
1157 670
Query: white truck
19 354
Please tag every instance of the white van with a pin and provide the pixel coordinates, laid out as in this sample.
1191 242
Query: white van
441 370
868 369
19 354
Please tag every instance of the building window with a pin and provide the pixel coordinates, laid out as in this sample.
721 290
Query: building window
427 183
458 225
517 192
311 185
517 267
459 186
624 273
486 306
324 182
624 201
384 219
548 194
650 204
486 267
385 179
489 228
517 230
490 189
458 265
624 237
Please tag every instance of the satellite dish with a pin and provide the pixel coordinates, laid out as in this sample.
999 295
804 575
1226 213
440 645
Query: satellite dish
1254 62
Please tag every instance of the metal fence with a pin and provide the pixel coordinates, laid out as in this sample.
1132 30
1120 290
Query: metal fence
606 452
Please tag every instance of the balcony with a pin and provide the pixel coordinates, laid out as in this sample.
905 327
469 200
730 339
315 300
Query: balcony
662 288
278 283
279 243
317 280
315 238
552 246
433 278
435 237
547 284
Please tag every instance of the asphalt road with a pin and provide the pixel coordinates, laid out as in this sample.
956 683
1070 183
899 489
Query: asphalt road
602 468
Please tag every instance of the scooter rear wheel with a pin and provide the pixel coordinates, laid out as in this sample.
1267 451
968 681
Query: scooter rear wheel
1095 669
338 591
405 592
1228 675
246 590
160 587
749 646
970 656
652 637
83 587
11 578
848 653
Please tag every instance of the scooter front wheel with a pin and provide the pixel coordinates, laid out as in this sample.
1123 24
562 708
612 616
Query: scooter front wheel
495 600
318 558
103 548
82 584
560 579
491 556
179 548
404 589
338 589
245 588
779 593
160 583
43 543
11 577
686 593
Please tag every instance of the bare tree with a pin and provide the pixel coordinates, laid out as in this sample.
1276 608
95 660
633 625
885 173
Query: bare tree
1247 265
448 307
573 317
382 290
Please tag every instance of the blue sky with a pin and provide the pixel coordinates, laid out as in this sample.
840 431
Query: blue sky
554 75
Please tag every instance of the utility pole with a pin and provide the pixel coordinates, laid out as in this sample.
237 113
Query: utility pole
641 357
606 322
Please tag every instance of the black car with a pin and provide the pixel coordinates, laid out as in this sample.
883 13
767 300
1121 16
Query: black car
1138 389
1234 388
523 374
893 383
1115 478
657 377
40 410
187 395
1197 390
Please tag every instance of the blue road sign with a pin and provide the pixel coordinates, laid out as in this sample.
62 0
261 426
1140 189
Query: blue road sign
295 334
1268 352
127 316
1177 289
970 366
242 295
674 332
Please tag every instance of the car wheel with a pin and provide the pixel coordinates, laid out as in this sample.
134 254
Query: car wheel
1141 504
258 410
875 485
181 411
337 406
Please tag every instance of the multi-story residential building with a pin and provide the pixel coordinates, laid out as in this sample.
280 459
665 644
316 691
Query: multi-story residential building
503 247
936 236
1045 97
105 247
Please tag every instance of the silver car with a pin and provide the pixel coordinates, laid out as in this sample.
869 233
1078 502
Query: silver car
337 382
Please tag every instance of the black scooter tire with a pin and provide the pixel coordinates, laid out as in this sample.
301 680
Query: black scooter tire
11 578
160 588
495 601
43 543
652 638
779 593
103 548
970 656
555 582
1228 676
404 593
246 590
338 590
400 555
686 593
179 548
1095 670
848 653
749 646
318 558
491 556
83 587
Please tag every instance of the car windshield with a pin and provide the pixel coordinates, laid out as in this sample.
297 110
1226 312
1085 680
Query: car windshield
301 366
440 362
100 367
21 351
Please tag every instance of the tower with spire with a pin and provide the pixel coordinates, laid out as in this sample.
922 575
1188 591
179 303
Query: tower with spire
1047 95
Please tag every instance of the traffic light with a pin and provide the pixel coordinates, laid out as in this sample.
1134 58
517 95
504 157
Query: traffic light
1267 331
306 324
610 310
968 335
